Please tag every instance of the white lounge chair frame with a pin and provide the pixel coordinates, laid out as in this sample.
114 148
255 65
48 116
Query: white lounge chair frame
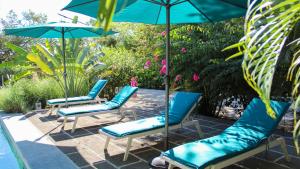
55 107
263 147
185 122
117 110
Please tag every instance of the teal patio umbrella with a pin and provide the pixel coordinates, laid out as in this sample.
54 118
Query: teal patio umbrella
58 30
166 12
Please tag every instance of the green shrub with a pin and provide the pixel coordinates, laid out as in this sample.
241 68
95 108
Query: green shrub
22 95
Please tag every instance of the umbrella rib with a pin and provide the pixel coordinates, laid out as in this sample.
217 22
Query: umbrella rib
158 14
155 2
79 4
200 11
178 2
233 4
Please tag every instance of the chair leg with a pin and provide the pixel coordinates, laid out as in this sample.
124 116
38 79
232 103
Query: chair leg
64 122
197 126
106 142
134 115
171 166
284 149
74 125
127 148
51 110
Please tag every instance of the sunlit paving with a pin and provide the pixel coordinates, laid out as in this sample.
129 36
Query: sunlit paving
149 84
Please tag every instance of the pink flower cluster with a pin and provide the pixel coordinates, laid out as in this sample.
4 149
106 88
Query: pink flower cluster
196 77
134 82
163 69
147 64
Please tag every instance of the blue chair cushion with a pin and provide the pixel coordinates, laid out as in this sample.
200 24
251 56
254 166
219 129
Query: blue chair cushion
248 132
115 103
123 95
134 127
71 99
97 88
180 105
87 109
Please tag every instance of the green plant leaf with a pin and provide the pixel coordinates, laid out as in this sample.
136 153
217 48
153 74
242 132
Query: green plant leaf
40 63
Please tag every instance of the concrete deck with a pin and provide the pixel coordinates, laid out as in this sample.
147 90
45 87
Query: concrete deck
36 150
85 147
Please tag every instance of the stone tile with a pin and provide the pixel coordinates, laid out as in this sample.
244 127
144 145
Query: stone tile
78 132
269 155
60 137
117 159
291 150
103 165
260 164
148 155
84 157
87 167
139 165
78 159
294 163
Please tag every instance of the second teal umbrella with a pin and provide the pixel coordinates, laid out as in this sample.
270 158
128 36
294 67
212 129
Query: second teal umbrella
58 30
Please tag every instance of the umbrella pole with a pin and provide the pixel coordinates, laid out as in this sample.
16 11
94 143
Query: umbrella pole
167 76
64 62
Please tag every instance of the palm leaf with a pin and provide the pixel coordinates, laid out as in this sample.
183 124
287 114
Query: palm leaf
40 63
267 28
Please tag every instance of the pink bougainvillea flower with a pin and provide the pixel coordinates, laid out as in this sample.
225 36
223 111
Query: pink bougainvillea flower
178 78
183 50
163 33
164 62
147 64
134 82
156 58
163 70
196 77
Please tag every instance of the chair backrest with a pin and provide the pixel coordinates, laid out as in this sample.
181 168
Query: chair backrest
181 105
124 95
97 88
255 116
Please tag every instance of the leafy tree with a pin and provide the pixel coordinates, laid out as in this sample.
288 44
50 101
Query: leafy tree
13 20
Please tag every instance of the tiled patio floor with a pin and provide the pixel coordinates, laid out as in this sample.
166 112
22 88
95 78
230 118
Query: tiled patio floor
85 146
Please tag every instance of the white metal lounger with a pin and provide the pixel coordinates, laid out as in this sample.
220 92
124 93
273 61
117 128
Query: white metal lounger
92 97
181 106
111 106
250 135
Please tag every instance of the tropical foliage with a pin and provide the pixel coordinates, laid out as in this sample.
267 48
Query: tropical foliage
22 95
46 60
271 32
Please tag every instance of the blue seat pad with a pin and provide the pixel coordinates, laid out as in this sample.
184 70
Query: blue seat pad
88 109
248 132
180 105
70 99
134 127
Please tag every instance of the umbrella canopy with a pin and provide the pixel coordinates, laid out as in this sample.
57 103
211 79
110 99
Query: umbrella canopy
58 30
166 12
154 11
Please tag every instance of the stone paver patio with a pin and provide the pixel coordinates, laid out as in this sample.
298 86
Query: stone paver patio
86 146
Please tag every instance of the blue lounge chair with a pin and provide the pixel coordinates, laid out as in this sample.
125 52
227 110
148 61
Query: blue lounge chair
92 97
181 106
248 136
111 106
